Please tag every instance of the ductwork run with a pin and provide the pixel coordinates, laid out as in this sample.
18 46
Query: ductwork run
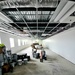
68 5
9 3
67 14
59 8
4 18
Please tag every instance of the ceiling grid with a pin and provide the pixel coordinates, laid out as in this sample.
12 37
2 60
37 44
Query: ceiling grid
34 16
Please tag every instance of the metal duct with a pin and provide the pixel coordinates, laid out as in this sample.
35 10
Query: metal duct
7 3
67 14
68 5
59 8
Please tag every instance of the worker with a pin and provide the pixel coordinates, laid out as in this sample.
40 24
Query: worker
41 57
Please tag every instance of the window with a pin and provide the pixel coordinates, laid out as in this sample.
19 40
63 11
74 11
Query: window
25 42
12 42
19 42
0 40
22 42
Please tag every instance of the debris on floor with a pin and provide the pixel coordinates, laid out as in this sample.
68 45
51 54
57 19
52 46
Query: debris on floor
54 65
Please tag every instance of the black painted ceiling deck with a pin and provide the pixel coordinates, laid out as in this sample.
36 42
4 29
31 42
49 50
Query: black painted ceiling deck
33 17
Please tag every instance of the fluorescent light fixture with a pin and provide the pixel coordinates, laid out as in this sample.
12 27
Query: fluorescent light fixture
39 12
24 34
33 12
28 12
10 12
29 17
45 12
59 8
36 31
17 17
4 18
52 12
65 9
68 14
45 34
22 12
17 12
14 12
8 31
25 30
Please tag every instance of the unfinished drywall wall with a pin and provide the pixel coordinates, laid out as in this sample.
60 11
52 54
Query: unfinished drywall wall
63 44
5 39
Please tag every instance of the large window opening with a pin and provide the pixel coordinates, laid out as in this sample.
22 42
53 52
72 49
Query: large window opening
12 42
19 42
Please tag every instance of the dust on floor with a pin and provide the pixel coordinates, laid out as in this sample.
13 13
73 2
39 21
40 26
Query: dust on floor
54 65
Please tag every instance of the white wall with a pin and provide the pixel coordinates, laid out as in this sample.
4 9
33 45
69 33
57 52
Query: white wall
63 44
5 37
4 18
5 40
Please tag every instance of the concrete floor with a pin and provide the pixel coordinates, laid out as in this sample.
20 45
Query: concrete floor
55 65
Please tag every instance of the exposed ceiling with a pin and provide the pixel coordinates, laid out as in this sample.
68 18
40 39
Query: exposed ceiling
39 18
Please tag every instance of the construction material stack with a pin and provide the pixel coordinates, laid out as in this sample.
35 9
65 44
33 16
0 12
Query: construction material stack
5 65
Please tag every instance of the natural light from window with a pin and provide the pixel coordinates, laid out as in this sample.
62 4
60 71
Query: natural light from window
12 42
22 42
0 40
19 42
